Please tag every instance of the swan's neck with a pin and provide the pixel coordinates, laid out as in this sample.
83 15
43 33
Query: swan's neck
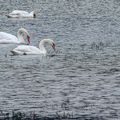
42 48
31 14
20 38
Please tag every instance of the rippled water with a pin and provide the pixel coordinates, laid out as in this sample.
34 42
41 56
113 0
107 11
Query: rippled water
82 77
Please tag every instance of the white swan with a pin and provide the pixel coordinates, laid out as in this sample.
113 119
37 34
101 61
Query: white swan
22 34
20 14
27 50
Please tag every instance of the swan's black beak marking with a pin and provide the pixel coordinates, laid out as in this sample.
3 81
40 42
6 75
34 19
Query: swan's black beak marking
53 46
28 37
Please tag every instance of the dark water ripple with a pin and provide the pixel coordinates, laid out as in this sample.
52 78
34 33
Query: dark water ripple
82 77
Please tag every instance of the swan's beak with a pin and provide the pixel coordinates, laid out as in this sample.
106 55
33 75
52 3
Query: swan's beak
28 37
34 15
53 46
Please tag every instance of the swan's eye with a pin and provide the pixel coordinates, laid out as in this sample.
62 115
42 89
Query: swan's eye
22 33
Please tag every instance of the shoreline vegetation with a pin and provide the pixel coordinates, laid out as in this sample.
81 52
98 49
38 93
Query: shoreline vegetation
33 116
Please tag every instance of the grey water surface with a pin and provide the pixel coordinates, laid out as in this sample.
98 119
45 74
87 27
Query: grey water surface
82 77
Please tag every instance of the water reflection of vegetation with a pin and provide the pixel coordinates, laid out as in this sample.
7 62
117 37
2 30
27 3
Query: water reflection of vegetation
33 116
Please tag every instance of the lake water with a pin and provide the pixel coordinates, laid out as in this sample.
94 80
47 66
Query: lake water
82 77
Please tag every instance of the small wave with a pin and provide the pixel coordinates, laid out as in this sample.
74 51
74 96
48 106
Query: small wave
110 71
98 46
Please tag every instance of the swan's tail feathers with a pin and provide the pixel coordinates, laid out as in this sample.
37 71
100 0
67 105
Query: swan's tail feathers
8 16
14 53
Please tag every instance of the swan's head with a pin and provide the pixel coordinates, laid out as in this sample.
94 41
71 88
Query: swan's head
49 42
25 35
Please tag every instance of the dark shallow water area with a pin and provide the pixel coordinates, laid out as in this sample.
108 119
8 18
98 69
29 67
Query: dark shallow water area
82 78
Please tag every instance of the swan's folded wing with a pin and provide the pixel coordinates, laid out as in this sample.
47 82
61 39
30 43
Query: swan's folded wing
25 49
18 12
7 38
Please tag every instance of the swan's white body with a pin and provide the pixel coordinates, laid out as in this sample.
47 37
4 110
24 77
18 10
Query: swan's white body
27 50
20 14
6 38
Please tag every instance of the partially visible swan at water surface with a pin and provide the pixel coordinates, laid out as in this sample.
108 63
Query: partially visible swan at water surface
21 14
27 50
22 37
